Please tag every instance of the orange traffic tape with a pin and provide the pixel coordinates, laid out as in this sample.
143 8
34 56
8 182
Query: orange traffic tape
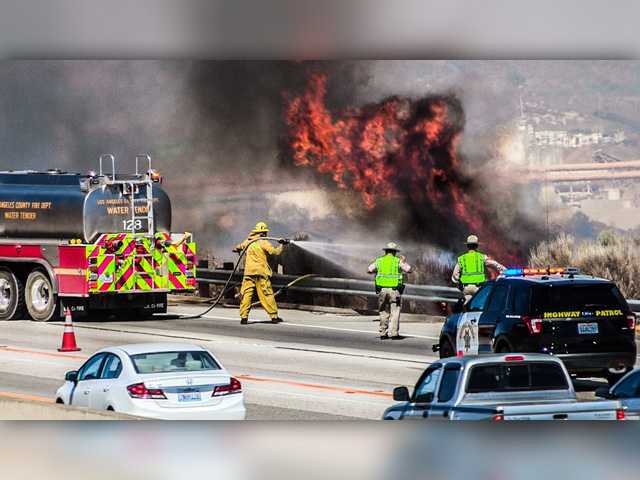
44 354
377 393
24 396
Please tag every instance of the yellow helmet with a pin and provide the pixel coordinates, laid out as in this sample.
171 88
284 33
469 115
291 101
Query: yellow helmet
261 227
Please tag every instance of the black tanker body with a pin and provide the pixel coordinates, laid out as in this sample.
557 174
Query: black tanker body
58 205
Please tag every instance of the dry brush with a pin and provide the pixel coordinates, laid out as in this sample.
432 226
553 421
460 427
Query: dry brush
613 256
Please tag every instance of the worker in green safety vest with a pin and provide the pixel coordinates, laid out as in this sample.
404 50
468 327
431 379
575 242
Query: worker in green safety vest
389 270
471 268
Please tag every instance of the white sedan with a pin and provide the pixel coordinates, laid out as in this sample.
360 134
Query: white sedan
171 381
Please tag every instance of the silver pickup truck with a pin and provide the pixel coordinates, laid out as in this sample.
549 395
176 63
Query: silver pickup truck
498 387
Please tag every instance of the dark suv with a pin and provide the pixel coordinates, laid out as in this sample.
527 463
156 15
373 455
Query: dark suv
583 320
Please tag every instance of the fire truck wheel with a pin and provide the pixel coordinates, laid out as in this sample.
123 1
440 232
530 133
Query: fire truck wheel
11 296
39 297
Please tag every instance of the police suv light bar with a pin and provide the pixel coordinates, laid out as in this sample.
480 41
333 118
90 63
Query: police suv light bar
524 271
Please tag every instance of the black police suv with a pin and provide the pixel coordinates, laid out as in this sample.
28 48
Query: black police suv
583 320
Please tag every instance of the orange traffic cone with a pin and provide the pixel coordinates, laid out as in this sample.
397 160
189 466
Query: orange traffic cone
68 337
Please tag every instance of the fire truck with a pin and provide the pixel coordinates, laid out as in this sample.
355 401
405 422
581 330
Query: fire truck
99 243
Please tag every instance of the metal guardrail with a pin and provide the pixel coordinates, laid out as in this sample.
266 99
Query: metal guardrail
352 286
338 286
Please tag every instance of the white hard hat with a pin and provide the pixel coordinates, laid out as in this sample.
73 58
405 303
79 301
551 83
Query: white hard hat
472 240
392 246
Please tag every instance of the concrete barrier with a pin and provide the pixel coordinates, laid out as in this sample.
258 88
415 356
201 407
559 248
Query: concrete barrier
14 406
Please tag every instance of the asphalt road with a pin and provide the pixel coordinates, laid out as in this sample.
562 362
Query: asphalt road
314 366
300 327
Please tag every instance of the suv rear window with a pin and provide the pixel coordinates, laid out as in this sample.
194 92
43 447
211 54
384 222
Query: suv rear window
165 362
516 377
576 297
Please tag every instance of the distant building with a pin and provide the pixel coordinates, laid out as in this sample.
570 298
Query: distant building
616 137
544 127
565 139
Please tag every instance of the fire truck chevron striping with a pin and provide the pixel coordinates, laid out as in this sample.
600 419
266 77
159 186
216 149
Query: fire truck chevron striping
97 242
129 263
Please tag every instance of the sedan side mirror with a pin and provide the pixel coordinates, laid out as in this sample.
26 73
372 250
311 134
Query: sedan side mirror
401 394
71 376
603 392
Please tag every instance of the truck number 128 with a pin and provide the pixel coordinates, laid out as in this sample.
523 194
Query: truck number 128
131 225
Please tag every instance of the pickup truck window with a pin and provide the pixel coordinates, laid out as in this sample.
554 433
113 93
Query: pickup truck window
448 382
545 376
516 377
477 302
427 385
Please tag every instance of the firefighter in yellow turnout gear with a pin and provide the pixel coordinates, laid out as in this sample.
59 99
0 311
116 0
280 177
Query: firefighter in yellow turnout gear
257 273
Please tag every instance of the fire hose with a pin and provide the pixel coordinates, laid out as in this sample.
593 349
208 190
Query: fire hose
290 284
235 268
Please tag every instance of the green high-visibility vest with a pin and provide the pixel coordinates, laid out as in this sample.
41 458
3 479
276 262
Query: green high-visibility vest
388 274
472 268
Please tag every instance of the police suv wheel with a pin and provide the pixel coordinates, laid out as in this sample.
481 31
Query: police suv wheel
11 296
39 297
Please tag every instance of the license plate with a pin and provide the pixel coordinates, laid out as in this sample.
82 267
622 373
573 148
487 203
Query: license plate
189 397
106 278
587 328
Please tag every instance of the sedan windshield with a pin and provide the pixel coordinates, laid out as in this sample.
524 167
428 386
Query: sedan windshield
165 362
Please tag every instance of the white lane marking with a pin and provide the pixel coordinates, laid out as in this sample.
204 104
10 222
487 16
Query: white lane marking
360 355
324 327
357 331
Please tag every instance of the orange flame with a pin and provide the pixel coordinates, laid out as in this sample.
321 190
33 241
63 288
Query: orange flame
395 149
